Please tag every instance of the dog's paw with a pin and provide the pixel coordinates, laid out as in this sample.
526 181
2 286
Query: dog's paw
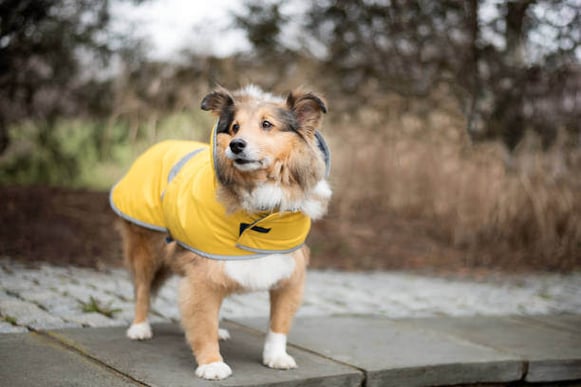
274 354
223 334
141 331
214 371
281 361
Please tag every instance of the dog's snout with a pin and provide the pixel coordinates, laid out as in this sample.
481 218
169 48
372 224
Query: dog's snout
237 145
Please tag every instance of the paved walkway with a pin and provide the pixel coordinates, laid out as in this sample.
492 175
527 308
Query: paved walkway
373 329
51 297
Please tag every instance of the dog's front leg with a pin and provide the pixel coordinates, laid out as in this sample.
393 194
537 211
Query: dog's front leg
199 308
284 302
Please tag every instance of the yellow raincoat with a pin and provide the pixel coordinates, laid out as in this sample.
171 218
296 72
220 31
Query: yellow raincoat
172 188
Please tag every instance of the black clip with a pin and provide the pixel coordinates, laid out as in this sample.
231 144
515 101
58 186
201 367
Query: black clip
244 226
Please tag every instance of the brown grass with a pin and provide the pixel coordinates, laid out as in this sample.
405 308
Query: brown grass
411 190
501 210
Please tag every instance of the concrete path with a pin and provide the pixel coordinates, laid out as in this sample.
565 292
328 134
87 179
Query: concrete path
373 329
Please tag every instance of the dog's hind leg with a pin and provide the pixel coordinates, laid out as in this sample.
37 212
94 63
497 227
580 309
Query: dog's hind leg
143 250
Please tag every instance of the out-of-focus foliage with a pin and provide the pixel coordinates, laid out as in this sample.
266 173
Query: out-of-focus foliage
512 65
50 52
262 23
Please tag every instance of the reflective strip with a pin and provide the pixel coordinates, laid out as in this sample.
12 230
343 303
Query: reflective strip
322 144
268 252
214 147
180 164
217 257
131 219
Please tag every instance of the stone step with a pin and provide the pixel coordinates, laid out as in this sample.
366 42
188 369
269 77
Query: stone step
31 359
330 351
550 346
166 360
392 354
445 351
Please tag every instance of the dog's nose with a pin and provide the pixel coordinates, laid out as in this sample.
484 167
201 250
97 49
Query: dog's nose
237 145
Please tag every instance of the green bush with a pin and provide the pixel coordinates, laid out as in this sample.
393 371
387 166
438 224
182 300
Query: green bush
87 152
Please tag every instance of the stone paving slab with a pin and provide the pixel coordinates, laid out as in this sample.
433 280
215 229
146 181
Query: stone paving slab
30 315
166 360
552 354
34 360
395 355
9 328
569 322
408 352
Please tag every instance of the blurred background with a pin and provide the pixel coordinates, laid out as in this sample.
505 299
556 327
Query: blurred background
455 126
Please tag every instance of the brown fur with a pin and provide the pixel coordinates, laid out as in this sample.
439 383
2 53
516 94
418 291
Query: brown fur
296 166
204 289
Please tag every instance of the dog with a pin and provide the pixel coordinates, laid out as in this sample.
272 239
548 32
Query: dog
229 217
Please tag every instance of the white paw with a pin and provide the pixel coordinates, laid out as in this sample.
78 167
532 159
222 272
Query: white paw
274 354
281 361
223 334
214 371
141 331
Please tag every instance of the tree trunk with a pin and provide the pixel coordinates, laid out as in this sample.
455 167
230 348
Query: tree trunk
515 34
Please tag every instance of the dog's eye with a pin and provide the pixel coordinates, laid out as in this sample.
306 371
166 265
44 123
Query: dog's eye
266 124
235 128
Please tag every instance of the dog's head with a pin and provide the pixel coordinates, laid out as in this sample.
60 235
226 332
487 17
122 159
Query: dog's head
264 140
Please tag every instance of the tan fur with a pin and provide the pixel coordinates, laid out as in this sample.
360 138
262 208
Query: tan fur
204 288
143 251
296 166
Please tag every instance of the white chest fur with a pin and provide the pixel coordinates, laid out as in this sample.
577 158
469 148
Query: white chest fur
271 196
261 273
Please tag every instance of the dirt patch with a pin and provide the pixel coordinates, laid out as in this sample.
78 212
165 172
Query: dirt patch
59 226
76 227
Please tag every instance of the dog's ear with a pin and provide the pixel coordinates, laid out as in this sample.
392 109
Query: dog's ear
217 100
308 109
221 103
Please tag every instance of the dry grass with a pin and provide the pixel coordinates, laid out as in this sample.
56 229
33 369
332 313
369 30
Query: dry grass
410 190
503 211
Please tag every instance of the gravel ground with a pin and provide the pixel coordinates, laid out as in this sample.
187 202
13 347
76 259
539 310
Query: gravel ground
49 297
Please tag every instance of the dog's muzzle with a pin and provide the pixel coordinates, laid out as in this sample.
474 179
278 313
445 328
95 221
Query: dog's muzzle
238 152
